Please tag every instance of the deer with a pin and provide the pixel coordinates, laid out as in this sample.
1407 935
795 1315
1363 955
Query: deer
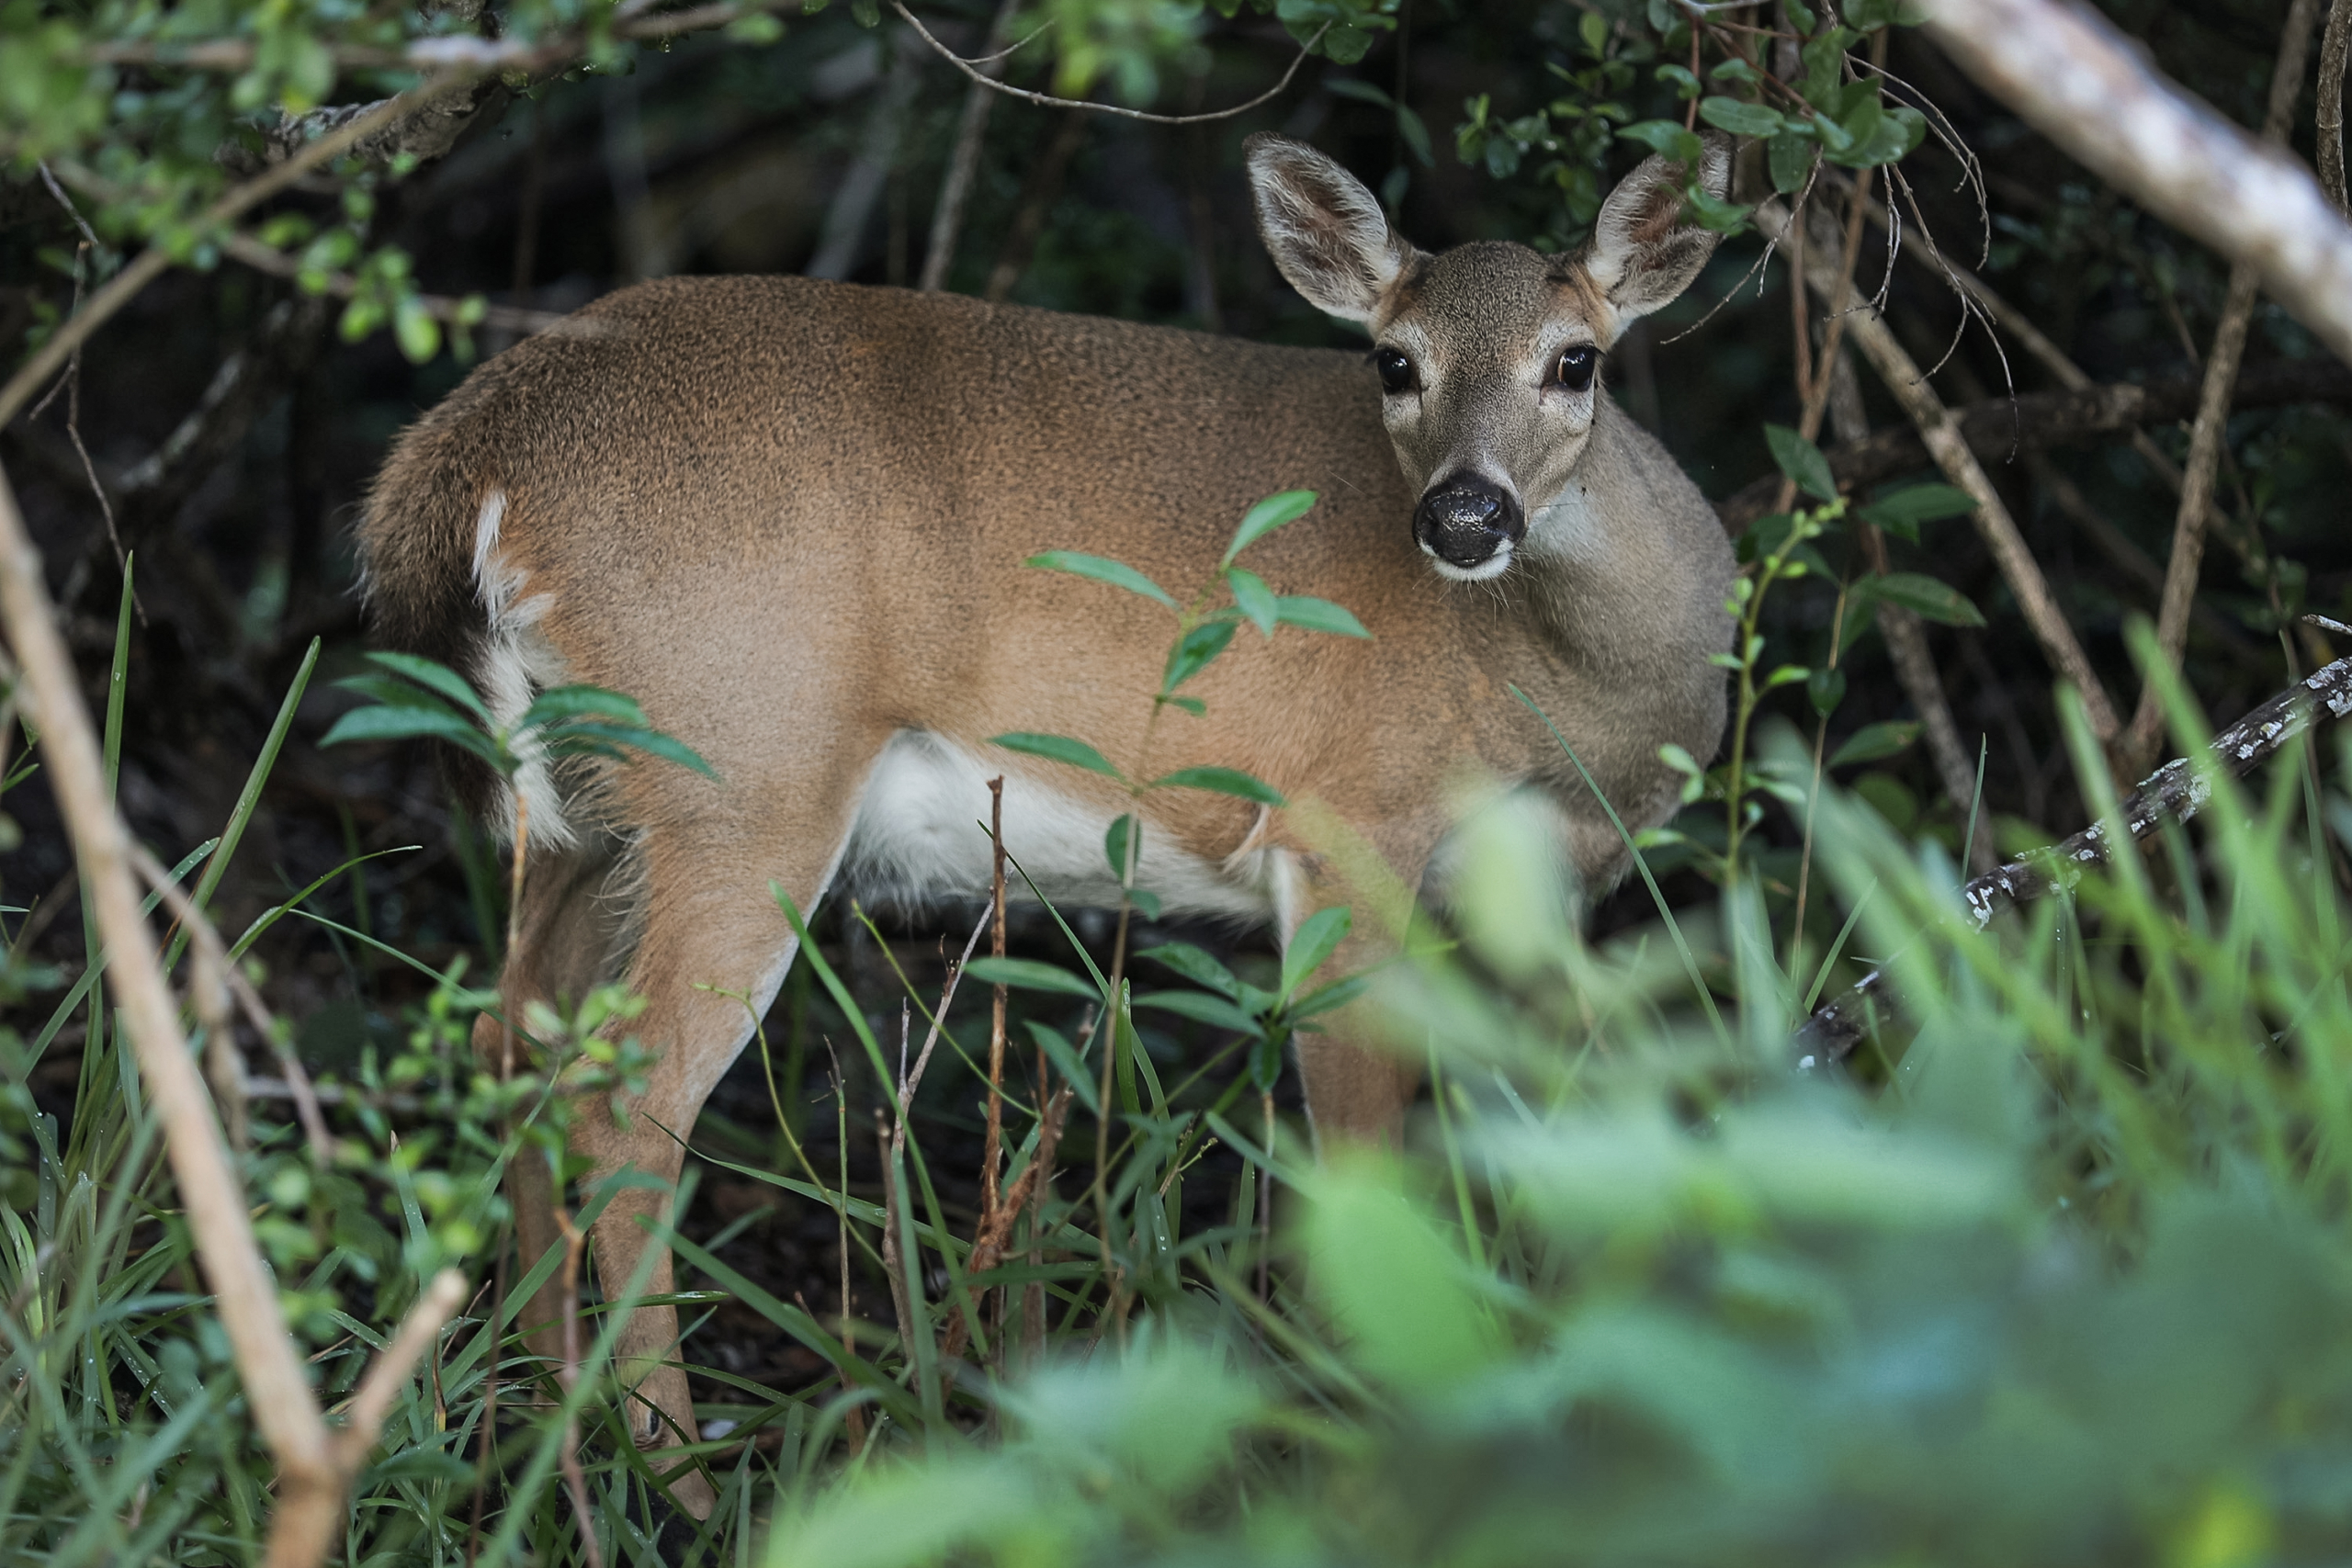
788 516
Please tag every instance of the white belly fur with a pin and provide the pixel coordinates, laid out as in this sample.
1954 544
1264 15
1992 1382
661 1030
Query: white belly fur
921 834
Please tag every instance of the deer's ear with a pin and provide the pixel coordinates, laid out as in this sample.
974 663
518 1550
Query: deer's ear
1325 231
1642 256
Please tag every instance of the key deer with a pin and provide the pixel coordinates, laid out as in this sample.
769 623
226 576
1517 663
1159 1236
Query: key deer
788 517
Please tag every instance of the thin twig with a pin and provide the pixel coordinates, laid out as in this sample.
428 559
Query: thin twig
992 1149
964 164
2209 436
1047 100
204 939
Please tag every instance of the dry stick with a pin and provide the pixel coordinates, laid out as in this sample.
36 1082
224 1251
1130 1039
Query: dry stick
276 1388
964 164
575 1479
2174 792
2130 558
1940 433
1814 385
2071 75
1047 100
2209 433
2333 49
995 1232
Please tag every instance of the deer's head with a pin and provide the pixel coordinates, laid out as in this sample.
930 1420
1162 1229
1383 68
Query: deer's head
1489 355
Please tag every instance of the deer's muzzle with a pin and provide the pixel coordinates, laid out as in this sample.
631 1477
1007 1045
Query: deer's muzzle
1463 520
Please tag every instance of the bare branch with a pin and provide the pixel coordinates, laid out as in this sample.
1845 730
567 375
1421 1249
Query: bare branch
2079 82
1047 100
1941 434
2174 792
2052 419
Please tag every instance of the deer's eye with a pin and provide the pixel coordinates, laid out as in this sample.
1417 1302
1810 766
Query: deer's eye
1395 370
1575 368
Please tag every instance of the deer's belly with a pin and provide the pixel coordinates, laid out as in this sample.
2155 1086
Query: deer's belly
921 834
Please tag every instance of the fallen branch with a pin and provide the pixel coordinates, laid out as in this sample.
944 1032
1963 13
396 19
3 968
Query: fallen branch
2174 792
1997 427
2075 78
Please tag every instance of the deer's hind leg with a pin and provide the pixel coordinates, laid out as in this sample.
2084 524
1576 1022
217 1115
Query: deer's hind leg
711 953
566 941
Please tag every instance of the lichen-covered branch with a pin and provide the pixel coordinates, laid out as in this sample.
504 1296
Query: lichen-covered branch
2176 792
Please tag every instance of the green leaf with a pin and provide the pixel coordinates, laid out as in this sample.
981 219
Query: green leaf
1901 512
1195 652
1287 506
1801 461
1254 598
603 739
1058 1050
418 334
1221 780
1740 117
1791 157
1416 134
1028 974
1825 689
1665 137
1323 998
1318 937
1194 965
1121 840
1396 1291
755 30
1202 1007
439 677
1681 761
1873 741
1310 614
386 723
1060 749
1118 574
561 704
1926 597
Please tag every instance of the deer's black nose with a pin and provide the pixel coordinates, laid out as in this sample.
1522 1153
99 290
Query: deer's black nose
1463 520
